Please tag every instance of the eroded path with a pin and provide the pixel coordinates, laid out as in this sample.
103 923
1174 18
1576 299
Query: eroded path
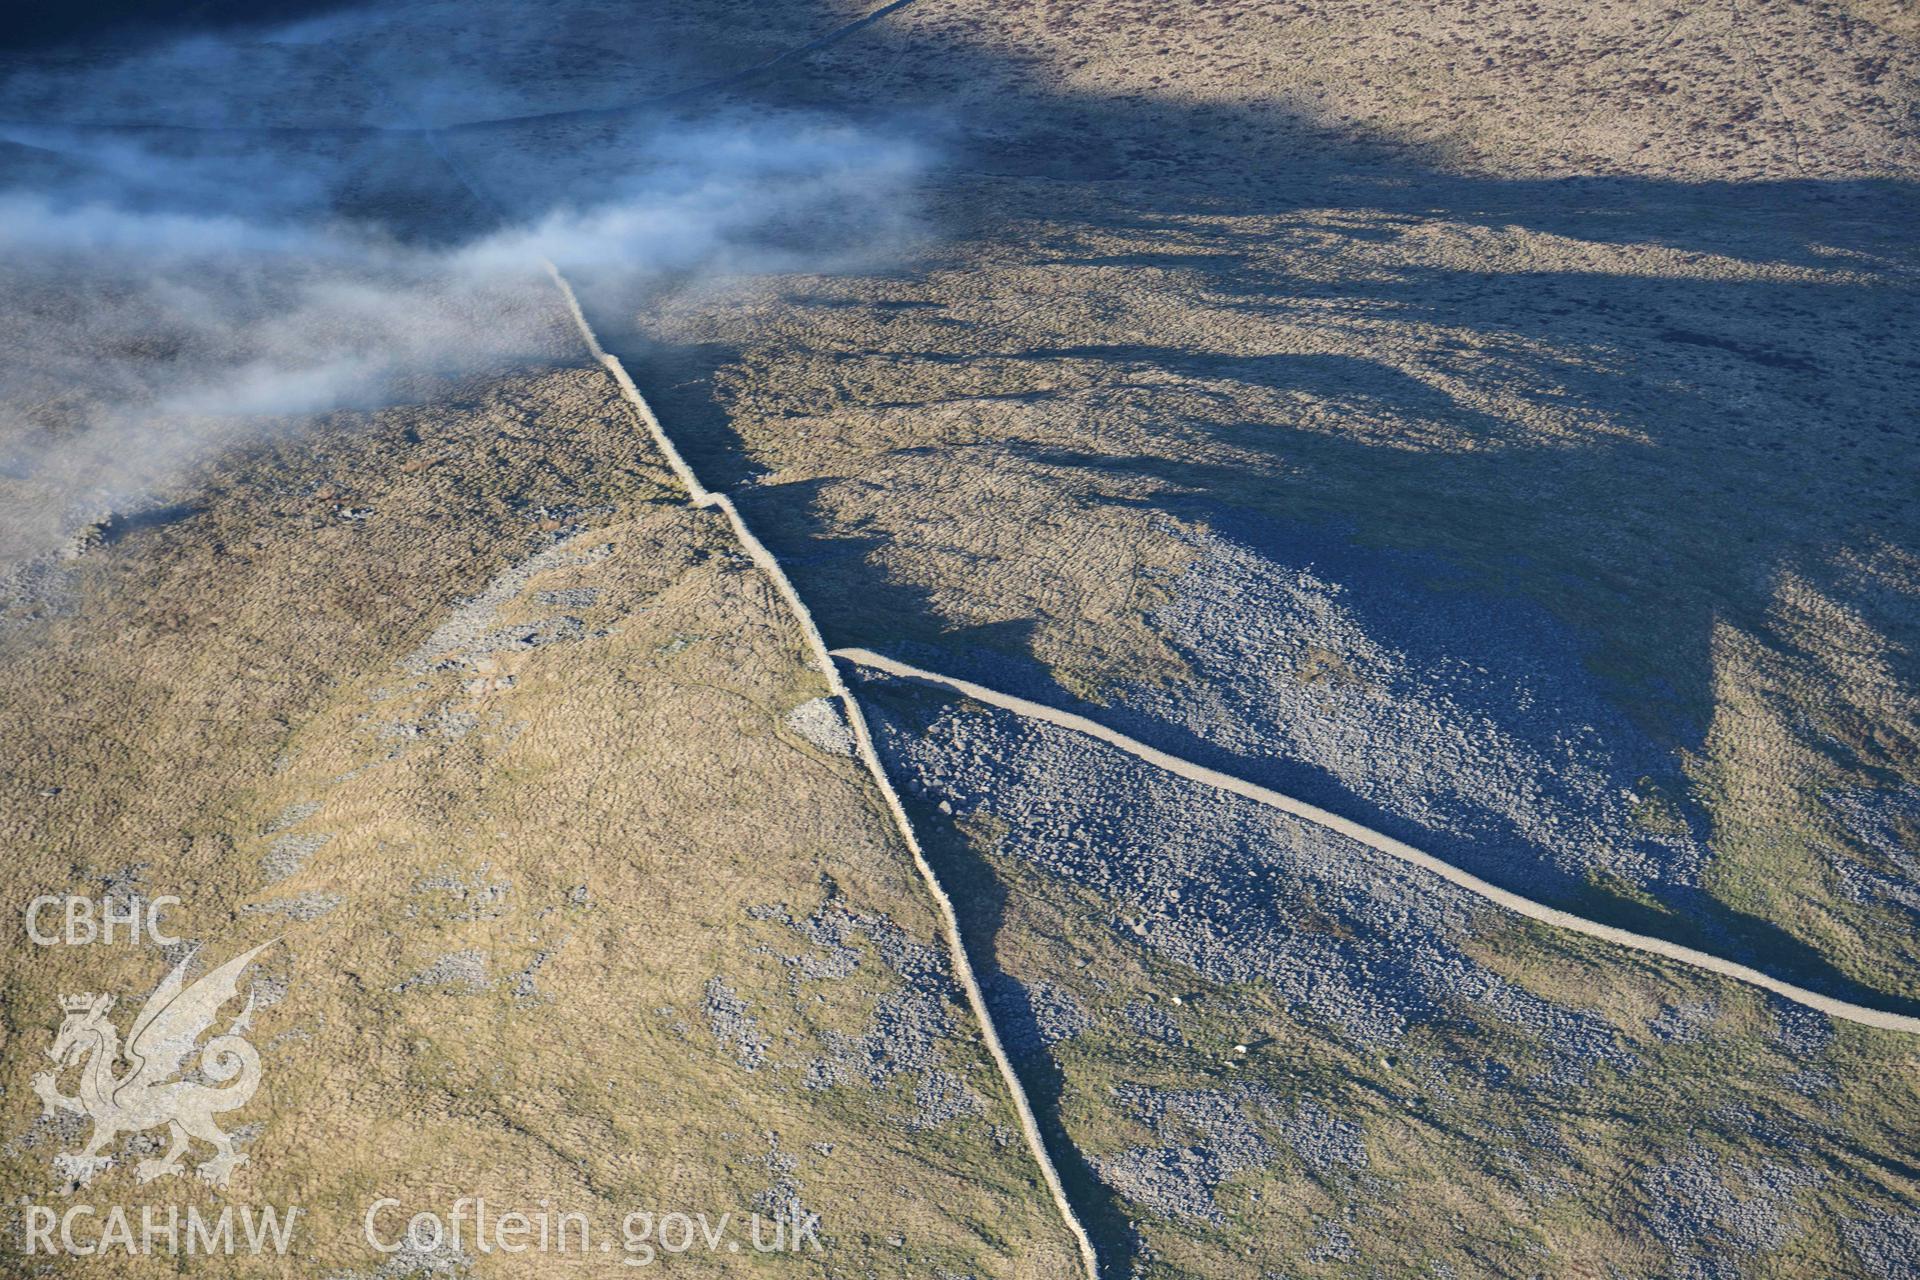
1386 844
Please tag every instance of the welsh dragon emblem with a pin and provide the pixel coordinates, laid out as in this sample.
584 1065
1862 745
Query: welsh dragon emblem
154 1090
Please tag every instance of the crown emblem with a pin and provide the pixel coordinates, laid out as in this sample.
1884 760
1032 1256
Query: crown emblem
77 1003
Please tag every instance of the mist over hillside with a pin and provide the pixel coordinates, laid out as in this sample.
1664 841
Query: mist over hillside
952 639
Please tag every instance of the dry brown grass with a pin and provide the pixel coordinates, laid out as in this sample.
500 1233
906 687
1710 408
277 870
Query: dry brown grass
585 823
